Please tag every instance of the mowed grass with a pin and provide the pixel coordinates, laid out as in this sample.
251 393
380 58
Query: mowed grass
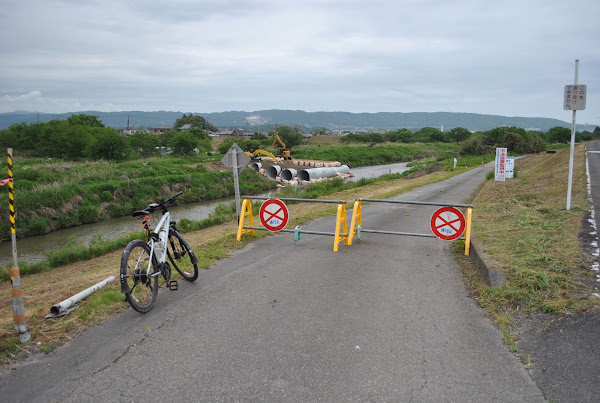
524 225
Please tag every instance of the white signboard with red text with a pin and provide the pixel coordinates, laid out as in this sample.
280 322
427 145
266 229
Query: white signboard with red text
574 99
500 173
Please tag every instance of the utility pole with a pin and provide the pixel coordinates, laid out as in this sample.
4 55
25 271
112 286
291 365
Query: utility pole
15 274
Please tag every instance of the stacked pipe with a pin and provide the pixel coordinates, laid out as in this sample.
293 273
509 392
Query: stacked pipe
273 171
288 174
317 173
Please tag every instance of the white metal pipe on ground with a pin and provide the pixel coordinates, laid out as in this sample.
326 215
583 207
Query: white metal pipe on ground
316 173
288 174
273 171
69 302
256 166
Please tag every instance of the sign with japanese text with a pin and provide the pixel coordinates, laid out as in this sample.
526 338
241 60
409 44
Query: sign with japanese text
500 173
574 99
510 167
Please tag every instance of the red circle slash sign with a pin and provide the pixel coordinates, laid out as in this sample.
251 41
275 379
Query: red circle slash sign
448 223
274 215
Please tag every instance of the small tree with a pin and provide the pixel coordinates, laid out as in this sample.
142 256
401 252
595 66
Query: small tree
144 144
107 144
559 134
459 134
226 145
183 143
85 120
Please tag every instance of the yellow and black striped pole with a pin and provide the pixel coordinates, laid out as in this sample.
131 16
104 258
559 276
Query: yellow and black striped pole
15 275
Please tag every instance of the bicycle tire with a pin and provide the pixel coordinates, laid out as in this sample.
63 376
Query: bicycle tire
142 289
181 256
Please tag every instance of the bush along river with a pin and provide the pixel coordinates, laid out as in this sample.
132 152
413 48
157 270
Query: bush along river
32 249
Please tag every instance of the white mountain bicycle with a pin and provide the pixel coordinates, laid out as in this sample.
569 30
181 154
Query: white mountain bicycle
143 262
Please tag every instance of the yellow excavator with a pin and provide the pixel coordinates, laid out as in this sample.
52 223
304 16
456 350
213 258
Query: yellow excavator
285 153
254 155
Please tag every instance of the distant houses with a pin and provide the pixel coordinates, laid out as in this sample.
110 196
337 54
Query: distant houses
160 129
129 131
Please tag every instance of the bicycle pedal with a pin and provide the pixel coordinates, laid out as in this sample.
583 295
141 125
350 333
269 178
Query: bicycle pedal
173 286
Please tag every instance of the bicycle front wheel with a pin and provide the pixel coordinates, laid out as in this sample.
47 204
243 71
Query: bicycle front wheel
182 257
137 267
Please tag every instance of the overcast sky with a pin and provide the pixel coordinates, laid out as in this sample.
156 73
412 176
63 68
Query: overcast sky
500 57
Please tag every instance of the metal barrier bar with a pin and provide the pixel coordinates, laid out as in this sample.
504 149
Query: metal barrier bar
295 200
374 231
300 231
415 202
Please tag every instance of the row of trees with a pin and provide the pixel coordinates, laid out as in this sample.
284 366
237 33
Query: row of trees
85 136
514 138
424 135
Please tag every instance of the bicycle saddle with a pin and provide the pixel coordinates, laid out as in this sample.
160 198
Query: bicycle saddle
140 212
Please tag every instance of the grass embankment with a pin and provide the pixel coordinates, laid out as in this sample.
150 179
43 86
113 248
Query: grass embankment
51 195
44 289
526 228
360 155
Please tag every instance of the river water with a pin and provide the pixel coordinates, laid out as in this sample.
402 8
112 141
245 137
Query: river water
32 249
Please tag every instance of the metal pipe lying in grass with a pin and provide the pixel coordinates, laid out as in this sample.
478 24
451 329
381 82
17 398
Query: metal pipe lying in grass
69 304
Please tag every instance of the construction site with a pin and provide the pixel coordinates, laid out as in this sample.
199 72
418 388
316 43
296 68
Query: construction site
294 171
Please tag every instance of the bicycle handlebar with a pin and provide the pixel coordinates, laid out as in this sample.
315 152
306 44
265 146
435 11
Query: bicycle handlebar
152 207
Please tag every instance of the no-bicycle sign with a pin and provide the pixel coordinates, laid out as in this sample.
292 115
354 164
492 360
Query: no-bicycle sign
448 223
274 215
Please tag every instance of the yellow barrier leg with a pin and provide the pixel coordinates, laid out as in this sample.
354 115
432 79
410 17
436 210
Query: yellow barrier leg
356 220
339 220
468 231
246 212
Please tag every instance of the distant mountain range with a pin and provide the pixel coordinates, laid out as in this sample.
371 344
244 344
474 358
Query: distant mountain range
267 119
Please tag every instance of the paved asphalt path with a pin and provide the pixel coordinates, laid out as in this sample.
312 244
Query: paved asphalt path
387 319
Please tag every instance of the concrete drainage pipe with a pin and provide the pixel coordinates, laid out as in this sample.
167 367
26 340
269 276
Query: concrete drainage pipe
316 173
288 174
273 171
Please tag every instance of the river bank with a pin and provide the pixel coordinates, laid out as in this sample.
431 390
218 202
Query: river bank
34 249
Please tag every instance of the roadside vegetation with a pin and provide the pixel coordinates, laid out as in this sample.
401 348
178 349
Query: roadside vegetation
524 225
50 195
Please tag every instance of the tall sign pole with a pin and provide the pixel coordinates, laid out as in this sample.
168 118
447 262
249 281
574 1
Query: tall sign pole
574 99
236 183
15 274
236 160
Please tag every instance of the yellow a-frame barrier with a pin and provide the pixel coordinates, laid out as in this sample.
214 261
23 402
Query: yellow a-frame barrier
341 223
357 230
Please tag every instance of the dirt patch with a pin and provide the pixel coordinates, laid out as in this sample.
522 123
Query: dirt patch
425 171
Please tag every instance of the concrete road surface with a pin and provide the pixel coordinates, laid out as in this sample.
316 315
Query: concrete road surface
386 319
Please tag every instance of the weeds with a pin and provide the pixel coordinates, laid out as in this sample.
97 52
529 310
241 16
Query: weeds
525 227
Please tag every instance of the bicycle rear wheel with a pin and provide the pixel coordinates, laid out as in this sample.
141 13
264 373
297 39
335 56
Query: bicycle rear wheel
182 257
137 266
